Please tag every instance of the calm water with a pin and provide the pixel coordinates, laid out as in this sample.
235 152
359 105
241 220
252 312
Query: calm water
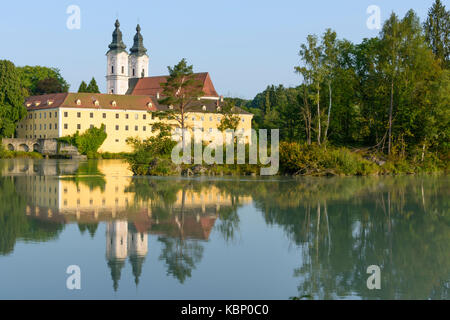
223 238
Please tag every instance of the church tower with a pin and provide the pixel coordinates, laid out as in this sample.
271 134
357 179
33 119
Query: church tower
117 56
138 60
116 248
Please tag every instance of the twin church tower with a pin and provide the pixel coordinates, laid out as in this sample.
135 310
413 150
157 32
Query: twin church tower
122 65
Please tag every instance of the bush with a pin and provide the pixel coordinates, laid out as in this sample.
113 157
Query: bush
89 142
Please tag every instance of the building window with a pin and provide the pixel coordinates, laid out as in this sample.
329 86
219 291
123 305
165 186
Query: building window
45 127
117 116
144 128
144 117
104 116
40 127
56 126
136 116
79 126
40 115
92 115
126 128
79 114
112 69
123 69
136 128
134 72
91 126
56 114
50 126
49 114
127 116
117 140
66 126
117 128
66 114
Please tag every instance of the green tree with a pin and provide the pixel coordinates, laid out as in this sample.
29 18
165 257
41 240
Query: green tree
49 85
437 31
83 87
180 93
12 109
93 87
30 76
230 120
313 73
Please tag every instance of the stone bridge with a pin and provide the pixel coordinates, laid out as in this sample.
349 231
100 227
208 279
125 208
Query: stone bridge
44 146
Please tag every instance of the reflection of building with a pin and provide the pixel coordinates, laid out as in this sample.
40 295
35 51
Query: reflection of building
84 195
122 243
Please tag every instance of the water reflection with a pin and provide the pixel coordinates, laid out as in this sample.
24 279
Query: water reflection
340 225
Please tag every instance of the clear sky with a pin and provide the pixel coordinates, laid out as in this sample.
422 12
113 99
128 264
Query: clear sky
244 44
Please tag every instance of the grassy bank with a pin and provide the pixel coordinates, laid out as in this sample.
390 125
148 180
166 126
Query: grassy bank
6 154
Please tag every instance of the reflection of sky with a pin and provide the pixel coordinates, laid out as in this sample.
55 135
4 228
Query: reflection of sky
257 265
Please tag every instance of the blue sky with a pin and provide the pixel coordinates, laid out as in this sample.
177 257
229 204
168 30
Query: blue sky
244 44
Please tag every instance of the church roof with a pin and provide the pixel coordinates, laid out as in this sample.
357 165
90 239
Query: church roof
152 85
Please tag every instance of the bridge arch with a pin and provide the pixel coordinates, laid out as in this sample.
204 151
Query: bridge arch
23 147
10 147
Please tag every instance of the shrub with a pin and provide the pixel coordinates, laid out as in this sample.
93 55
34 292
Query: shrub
89 142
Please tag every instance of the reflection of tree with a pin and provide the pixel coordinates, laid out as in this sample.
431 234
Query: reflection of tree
400 224
15 225
89 175
89 227
180 256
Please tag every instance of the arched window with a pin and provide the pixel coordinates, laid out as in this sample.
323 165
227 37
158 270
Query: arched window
123 69
143 73
112 69
134 72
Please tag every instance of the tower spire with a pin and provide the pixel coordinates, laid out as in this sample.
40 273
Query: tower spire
138 48
117 42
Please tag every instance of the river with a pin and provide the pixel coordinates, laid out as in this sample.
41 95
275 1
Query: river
218 238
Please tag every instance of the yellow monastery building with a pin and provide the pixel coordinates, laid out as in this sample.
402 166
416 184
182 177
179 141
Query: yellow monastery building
126 110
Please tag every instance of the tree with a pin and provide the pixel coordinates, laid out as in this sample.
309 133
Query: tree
330 56
93 87
313 73
83 87
180 92
230 120
12 109
437 32
30 76
391 42
49 85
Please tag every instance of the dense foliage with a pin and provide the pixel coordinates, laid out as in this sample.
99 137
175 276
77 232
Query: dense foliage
42 80
88 142
12 109
389 94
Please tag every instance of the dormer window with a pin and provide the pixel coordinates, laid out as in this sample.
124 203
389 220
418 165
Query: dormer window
96 103
149 105
49 102
171 107
28 104
204 108
37 103
114 104
219 109
78 102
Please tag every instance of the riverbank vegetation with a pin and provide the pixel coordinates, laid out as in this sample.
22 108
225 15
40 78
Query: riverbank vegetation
377 107
88 142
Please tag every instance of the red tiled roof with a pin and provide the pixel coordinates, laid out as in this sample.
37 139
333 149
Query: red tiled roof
152 85
87 100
